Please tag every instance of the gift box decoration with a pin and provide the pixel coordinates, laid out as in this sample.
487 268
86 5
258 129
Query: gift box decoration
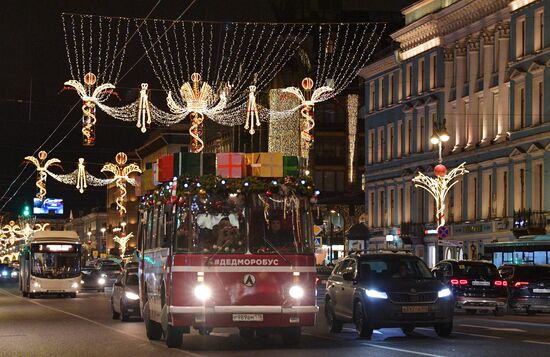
252 164
194 164
266 164
291 166
230 165
166 168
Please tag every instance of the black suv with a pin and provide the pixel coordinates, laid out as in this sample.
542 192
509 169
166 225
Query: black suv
476 285
529 287
377 290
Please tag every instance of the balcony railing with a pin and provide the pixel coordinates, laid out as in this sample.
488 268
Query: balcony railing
527 222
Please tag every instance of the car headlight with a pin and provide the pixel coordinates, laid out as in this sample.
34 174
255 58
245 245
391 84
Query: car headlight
296 292
103 275
14 274
74 286
202 292
81 281
444 293
4 273
375 294
132 296
101 281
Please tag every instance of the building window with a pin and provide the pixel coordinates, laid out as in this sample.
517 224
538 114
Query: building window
381 142
371 213
539 29
421 128
522 188
390 142
502 188
391 89
401 206
391 209
382 210
421 75
420 210
409 79
538 101
433 71
496 50
538 187
399 85
409 136
372 93
399 138
430 127
371 146
522 107
520 37
382 92
494 116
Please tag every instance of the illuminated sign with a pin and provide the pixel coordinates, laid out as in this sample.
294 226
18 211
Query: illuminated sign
56 248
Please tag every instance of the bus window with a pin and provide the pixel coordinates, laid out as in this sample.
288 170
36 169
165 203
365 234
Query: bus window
183 241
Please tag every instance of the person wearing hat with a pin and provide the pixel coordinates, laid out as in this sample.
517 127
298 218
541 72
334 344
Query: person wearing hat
277 235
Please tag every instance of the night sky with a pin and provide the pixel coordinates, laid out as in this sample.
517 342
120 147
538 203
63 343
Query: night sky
34 66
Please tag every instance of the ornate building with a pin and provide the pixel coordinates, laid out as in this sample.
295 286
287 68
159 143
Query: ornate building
478 70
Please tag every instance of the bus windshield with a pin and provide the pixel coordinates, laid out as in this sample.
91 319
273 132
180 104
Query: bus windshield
55 261
258 224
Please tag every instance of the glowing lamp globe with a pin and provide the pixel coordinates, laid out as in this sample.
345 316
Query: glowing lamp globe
121 158
440 170
90 79
307 83
195 77
42 155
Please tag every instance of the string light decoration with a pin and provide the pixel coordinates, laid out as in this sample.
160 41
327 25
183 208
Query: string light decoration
307 99
80 178
144 110
252 116
12 232
121 171
90 95
439 186
352 106
199 100
123 241
41 169
284 130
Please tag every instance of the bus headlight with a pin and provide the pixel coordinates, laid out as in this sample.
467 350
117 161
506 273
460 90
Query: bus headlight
132 296
36 284
296 292
74 286
101 281
14 274
202 292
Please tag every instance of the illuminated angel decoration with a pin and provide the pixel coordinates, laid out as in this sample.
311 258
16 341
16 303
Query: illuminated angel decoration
121 176
41 169
144 110
81 176
123 241
252 116
439 186
199 100
308 101
90 96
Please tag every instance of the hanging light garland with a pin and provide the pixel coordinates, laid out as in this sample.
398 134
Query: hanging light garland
80 178
121 171
41 169
352 106
252 116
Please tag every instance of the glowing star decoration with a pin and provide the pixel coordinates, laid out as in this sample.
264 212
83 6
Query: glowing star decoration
123 241
90 96
308 100
199 100
439 186
144 110
121 173
27 231
41 169
252 117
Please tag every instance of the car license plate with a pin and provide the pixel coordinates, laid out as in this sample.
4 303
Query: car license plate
481 283
542 291
248 317
414 309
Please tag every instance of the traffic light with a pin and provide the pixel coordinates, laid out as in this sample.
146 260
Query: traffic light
26 211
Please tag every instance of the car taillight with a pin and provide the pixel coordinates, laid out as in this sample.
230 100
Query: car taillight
459 282
519 284
501 283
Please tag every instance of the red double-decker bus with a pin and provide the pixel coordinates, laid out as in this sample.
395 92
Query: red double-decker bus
222 259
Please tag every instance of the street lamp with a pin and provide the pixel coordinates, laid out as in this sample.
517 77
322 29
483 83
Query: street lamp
123 225
439 137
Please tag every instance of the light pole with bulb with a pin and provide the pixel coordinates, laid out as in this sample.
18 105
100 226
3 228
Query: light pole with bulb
103 241
123 225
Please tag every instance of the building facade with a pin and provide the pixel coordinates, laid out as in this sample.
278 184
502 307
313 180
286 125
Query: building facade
478 69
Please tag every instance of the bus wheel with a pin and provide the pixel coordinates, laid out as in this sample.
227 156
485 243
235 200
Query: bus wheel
72 295
152 328
291 335
246 333
174 336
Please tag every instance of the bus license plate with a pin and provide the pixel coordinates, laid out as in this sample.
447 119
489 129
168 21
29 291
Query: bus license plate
248 317
414 309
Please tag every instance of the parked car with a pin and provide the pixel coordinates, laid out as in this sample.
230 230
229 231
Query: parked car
392 289
92 279
125 296
476 285
529 287
110 272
